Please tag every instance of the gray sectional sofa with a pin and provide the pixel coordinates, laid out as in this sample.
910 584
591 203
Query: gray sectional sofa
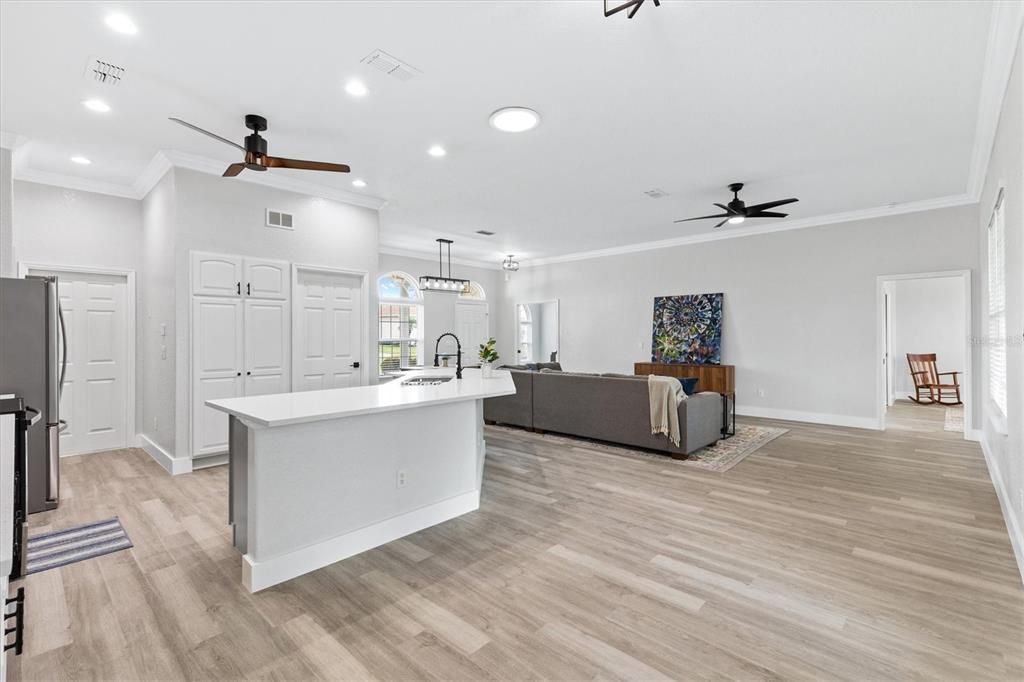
612 408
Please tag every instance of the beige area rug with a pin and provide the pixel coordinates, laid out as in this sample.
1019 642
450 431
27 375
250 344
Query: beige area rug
955 419
718 458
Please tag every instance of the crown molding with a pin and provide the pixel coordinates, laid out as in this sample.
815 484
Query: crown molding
431 257
154 171
74 182
753 230
1004 35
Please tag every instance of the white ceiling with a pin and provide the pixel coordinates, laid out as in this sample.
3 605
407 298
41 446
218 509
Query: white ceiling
846 105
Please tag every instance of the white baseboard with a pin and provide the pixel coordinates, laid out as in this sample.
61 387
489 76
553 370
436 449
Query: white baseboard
173 465
259 575
209 461
975 435
1013 526
808 417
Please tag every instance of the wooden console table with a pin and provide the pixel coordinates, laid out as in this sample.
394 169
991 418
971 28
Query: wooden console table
718 378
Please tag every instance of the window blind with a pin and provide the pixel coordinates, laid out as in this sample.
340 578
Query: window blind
997 305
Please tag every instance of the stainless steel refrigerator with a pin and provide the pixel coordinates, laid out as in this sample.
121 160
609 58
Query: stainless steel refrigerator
33 357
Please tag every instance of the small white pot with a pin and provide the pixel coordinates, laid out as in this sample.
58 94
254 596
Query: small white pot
486 370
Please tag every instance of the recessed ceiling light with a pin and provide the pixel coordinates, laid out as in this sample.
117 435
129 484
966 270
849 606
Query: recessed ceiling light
80 160
356 88
96 105
122 24
359 183
515 119
437 150
736 220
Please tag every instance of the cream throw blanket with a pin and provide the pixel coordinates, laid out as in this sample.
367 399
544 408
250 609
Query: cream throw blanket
665 393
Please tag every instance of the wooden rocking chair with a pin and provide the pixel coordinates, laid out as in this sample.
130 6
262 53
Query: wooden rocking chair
927 386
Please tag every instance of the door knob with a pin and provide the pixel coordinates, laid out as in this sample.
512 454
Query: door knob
355 365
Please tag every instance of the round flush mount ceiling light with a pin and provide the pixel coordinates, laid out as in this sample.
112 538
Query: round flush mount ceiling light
736 220
514 119
437 151
356 88
80 160
96 105
121 24
359 183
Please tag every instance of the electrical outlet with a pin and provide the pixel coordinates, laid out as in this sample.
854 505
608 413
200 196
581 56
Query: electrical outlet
163 352
402 478
163 329
760 393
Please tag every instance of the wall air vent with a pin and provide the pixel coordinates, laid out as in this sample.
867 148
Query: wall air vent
382 61
486 233
103 71
280 219
656 193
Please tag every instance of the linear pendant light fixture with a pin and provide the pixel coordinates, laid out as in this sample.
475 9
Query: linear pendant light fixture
440 282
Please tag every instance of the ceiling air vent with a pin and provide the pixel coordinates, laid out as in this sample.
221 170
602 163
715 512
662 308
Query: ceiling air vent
279 219
656 193
486 233
382 61
103 72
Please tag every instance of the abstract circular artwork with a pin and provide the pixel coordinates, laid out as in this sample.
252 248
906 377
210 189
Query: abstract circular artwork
687 329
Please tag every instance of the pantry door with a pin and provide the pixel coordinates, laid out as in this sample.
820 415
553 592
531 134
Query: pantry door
327 330
96 396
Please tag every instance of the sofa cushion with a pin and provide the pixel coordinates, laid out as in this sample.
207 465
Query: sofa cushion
540 366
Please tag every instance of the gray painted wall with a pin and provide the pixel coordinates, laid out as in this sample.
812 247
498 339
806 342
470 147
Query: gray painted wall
7 266
1005 449
800 306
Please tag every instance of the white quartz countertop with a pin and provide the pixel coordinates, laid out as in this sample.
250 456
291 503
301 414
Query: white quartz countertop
282 409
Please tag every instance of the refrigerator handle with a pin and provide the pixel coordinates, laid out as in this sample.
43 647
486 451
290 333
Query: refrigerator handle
64 350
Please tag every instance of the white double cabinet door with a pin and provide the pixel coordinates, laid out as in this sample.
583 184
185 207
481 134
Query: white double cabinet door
241 338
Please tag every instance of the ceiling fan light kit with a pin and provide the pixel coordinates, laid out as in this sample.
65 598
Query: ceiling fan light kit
736 211
440 282
255 150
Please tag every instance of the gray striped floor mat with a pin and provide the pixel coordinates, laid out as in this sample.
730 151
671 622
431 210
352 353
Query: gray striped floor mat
63 547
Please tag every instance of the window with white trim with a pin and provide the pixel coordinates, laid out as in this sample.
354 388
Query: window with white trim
399 322
997 305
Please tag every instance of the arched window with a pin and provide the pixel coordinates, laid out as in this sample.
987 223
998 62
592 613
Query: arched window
475 293
524 319
400 322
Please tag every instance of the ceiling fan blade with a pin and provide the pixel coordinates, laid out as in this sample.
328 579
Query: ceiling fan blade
721 223
703 217
206 132
233 170
767 214
277 162
770 204
726 209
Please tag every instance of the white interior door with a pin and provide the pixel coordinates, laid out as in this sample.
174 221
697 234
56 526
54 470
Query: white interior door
471 328
217 337
95 397
327 331
267 351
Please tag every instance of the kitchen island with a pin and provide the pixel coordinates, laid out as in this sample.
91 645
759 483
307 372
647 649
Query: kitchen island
319 476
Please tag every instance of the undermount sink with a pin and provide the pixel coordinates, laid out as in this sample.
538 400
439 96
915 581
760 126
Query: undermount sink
426 381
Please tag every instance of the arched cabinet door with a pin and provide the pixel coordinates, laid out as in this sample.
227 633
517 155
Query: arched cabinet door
266 278
215 274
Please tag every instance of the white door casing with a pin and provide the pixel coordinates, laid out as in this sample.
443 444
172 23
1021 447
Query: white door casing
327 330
216 274
94 400
471 326
217 365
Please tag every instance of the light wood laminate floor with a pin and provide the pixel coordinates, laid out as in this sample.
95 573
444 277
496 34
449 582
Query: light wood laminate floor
828 554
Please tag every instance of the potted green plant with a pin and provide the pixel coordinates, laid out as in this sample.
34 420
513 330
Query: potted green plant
488 356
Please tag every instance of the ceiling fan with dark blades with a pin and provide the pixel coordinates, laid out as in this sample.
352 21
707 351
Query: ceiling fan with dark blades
255 150
736 211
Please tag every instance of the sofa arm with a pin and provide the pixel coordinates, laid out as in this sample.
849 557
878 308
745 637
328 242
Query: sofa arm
702 415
